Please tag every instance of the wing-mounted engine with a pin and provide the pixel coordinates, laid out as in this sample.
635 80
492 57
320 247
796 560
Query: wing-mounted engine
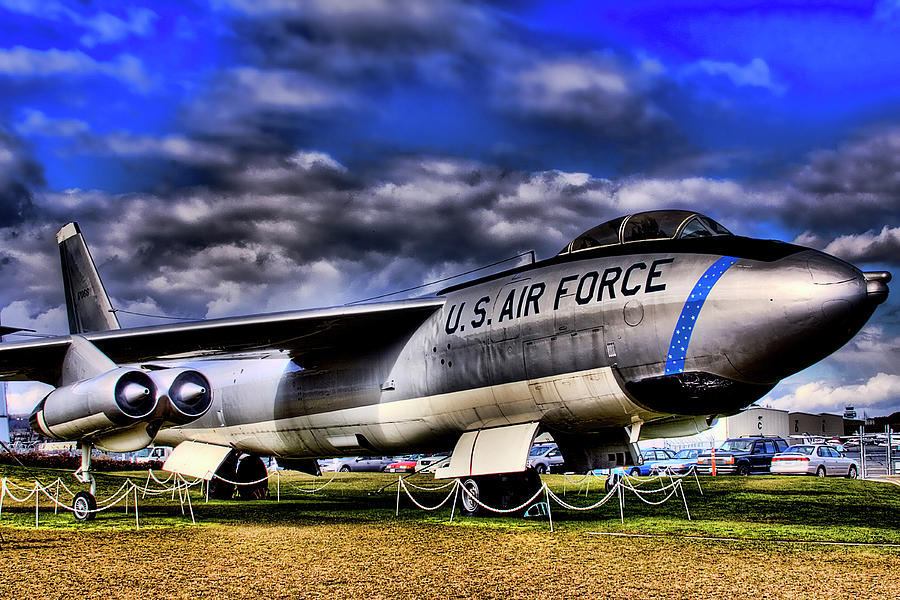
110 402
184 395
115 408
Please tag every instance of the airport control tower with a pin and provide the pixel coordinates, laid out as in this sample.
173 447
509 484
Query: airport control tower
4 415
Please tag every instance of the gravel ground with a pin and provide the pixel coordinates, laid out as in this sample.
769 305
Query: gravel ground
401 559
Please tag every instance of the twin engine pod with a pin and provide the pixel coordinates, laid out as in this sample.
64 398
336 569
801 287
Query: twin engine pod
122 409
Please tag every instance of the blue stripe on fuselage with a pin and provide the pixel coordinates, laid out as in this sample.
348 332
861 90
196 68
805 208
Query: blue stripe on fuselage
681 337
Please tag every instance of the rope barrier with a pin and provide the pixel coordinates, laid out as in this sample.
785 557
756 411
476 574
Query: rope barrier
623 483
120 496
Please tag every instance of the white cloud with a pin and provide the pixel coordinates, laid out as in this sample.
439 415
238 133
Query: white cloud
755 73
864 246
178 147
22 397
35 122
100 27
880 392
26 62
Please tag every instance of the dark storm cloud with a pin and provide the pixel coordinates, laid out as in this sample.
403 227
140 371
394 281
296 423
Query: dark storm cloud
855 186
19 174
312 66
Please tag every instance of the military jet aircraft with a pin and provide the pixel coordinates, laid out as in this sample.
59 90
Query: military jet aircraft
650 325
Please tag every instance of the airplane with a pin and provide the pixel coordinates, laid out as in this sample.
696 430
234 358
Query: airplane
651 325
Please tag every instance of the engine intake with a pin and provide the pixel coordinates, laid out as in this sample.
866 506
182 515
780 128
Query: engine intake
114 400
184 395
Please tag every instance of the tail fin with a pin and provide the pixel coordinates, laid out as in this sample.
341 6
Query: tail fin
87 304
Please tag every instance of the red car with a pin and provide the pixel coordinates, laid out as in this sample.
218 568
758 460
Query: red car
407 465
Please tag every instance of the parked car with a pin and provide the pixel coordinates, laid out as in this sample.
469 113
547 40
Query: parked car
403 464
814 459
741 456
428 464
545 458
357 463
682 462
650 457
152 453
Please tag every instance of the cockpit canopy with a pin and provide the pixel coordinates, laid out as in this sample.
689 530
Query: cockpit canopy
643 226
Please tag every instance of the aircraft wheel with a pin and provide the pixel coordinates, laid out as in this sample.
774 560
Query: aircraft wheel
83 506
851 473
820 472
469 506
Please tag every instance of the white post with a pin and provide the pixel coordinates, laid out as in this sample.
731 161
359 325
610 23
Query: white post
549 515
2 493
56 503
455 498
137 523
399 483
621 484
277 486
37 498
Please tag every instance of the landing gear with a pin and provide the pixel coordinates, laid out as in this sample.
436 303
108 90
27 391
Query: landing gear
503 491
240 468
252 470
84 504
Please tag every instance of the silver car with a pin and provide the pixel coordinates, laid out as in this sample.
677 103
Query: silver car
820 460
545 458
357 463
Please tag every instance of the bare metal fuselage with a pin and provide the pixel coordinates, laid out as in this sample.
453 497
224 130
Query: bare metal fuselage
582 345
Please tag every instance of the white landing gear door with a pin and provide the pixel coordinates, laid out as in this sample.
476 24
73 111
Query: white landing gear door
491 451
195 459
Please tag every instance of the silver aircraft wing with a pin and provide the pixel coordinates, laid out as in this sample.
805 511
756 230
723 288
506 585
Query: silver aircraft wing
316 332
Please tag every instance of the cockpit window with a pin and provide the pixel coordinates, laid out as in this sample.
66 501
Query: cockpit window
654 225
601 235
650 225
716 228
694 228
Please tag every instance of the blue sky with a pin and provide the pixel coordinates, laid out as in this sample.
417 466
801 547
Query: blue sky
236 156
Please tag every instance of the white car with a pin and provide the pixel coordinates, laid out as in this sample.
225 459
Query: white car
820 460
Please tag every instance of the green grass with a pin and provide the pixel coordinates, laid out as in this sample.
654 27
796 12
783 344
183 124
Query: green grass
752 508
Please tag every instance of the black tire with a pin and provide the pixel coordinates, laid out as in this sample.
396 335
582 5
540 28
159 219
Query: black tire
743 469
635 472
852 473
252 468
820 472
469 506
344 469
540 469
83 506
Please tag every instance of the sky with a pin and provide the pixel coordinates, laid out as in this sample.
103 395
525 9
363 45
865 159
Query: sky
246 156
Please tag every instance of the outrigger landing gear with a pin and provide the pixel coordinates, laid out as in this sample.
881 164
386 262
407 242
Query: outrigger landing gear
85 504
503 491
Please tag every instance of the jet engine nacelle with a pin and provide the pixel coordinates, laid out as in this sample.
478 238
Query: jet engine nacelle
115 400
679 427
184 395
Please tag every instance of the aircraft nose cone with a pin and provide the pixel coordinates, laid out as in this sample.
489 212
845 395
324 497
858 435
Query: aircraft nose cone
804 307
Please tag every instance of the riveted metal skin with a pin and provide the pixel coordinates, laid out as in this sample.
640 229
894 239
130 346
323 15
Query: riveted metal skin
600 345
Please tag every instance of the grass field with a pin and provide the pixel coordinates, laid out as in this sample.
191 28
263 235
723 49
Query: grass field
345 542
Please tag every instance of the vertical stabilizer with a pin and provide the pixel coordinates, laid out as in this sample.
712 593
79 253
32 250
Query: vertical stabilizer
87 304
